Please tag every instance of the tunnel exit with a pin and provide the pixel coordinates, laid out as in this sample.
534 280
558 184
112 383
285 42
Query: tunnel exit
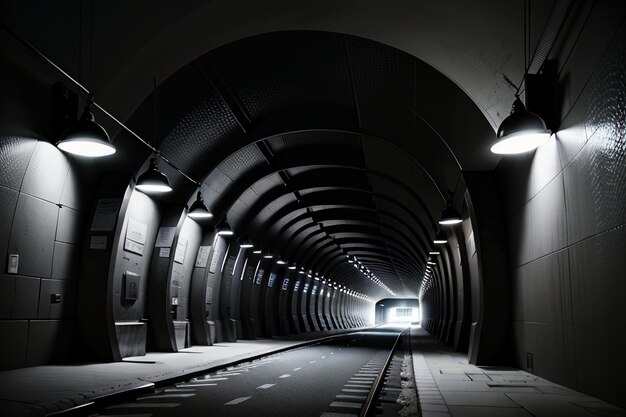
397 310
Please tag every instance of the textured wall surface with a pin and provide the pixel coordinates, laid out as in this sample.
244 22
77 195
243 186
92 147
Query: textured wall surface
566 207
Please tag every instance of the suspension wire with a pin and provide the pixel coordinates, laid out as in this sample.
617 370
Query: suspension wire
24 43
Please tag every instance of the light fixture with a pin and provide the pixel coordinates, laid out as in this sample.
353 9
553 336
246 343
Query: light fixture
245 243
223 228
440 238
450 216
153 180
86 137
292 267
257 251
198 210
280 261
267 255
522 131
433 252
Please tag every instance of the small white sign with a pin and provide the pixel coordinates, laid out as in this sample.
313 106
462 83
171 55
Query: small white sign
214 259
164 252
203 256
181 249
174 301
133 247
165 237
14 261
136 231
98 243
106 214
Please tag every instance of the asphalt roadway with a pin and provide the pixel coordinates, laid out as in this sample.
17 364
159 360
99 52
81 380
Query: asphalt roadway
329 379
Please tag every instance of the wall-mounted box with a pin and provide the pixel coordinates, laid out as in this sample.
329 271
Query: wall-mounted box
131 286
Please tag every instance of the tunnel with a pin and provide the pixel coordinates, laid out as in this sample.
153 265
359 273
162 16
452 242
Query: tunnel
312 153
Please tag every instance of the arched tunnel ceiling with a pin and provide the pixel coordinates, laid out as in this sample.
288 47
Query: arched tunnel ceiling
310 144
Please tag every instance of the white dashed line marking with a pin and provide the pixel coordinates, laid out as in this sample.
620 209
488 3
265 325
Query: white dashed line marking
265 386
237 401
284 376
152 397
210 379
344 404
196 385
324 357
296 369
312 361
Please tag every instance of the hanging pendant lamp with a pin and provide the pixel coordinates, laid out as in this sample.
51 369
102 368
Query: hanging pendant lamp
522 131
153 180
440 238
450 216
198 209
245 243
223 228
86 137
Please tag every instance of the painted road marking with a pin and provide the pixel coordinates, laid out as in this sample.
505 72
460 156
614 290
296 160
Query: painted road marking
337 415
296 369
265 386
344 404
324 357
152 397
237 400
196 385
284 376
209 379
356 391
312 361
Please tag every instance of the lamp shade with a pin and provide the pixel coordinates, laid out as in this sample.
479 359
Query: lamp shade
223 228
450 216
153 180
198 209
440 238
522 131
86 138
245 243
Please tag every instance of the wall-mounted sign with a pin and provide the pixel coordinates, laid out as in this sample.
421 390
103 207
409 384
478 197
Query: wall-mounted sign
98 242
181 250
270 282
306 288
164 252
314 290
105 217
134 247
14 261
214 259
285 284
259 277
203 256
296 286
165 237
174 301
136 231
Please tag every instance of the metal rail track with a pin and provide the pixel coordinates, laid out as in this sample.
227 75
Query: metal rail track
369 406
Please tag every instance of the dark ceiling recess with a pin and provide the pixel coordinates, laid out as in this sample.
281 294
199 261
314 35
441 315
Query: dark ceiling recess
317 145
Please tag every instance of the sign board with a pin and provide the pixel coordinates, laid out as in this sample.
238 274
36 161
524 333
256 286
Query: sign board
270 282
259 276
105 217
98 243
165 237
203 256
285 284
181 250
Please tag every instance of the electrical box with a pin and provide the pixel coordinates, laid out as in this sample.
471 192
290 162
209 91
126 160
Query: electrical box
131 286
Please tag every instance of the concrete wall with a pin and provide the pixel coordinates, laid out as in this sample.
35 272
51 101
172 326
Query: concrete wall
565 212
44 197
